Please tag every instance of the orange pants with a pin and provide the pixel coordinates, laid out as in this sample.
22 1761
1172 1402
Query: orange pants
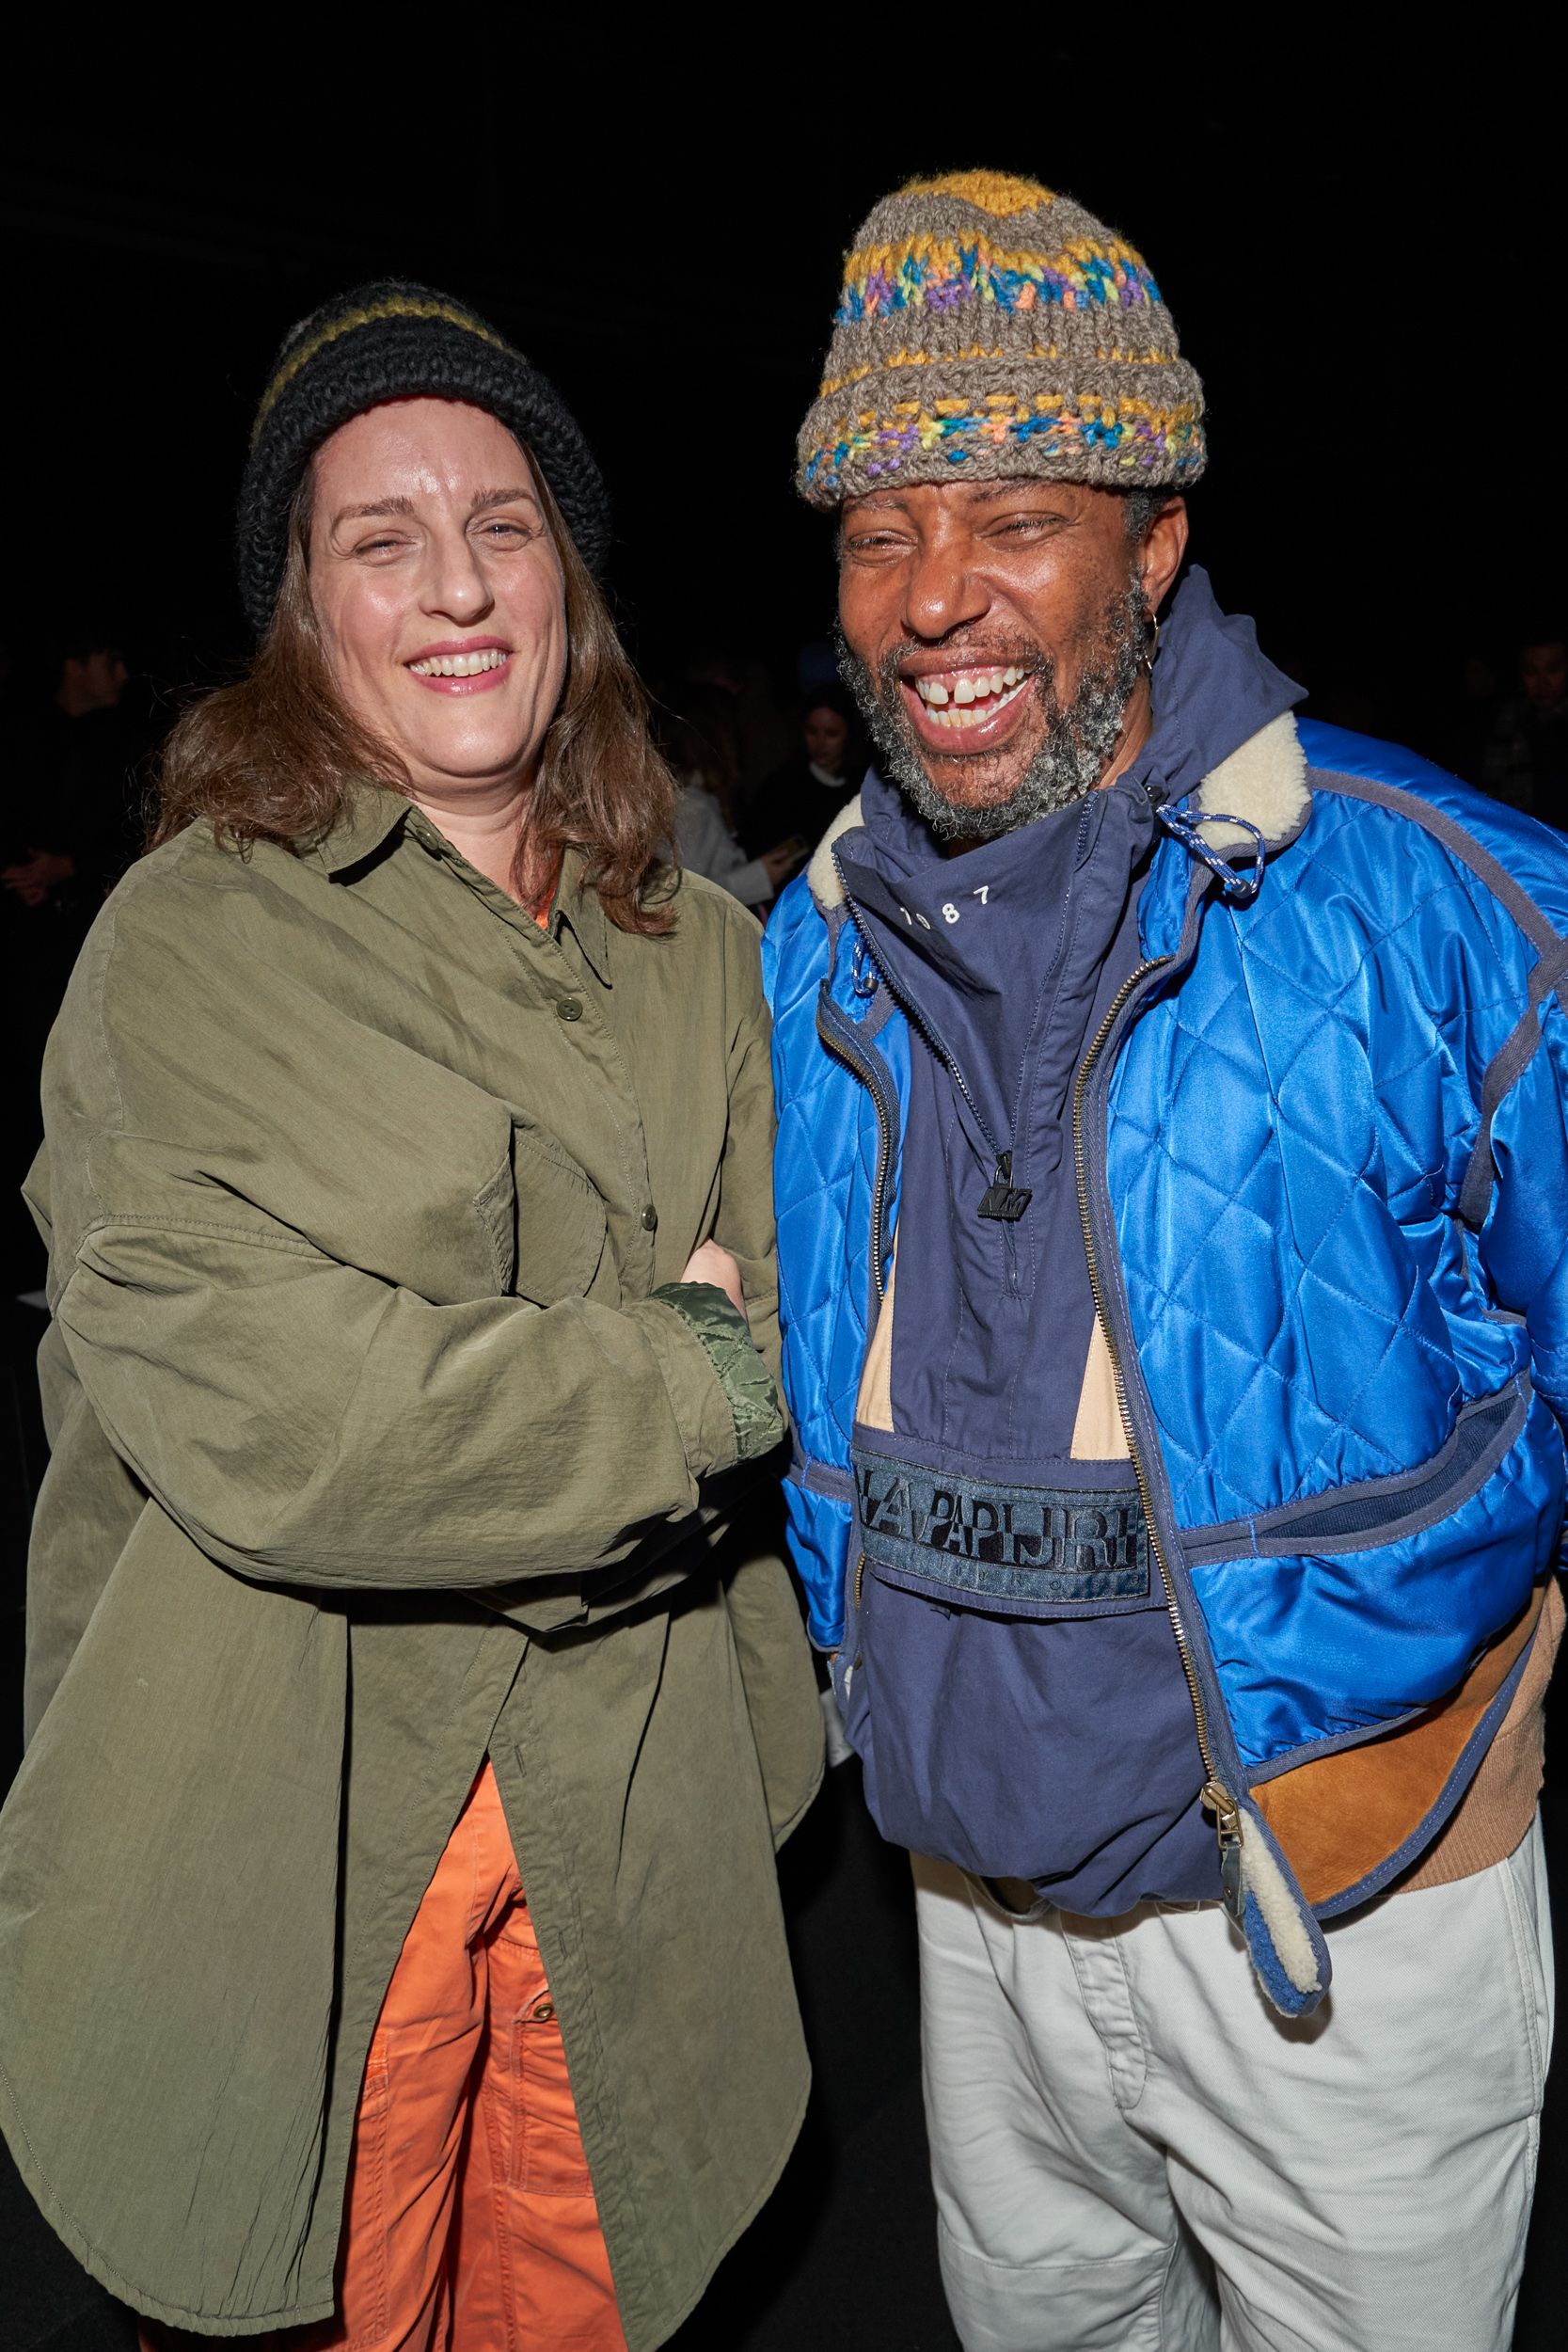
470 2223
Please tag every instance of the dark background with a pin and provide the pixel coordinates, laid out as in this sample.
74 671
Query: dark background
1365 266
1360 239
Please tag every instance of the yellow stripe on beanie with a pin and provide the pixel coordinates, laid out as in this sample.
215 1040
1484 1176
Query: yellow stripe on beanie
396 307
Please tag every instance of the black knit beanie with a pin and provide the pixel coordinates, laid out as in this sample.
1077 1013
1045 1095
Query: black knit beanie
395 341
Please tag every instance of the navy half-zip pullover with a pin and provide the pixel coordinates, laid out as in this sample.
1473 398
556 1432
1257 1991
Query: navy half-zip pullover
1049 1740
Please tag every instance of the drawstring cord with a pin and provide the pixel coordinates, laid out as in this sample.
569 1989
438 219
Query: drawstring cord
858 970
1241 889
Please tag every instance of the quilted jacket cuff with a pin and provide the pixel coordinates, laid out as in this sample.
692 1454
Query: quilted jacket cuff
747 1385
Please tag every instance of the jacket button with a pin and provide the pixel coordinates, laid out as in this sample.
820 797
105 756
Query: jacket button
543 2013
568 1008
650 1219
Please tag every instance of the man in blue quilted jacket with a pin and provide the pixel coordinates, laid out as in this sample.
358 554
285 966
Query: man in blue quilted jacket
1173 1227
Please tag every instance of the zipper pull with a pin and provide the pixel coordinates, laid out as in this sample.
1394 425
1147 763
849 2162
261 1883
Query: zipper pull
1218 1800
1001 1199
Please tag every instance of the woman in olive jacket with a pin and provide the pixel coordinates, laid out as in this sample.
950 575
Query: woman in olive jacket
410 1376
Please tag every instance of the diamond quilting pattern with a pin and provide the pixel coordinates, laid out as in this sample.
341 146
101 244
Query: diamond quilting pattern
1283 1126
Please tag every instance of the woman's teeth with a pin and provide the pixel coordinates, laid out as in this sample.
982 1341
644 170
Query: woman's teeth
458 664
974 695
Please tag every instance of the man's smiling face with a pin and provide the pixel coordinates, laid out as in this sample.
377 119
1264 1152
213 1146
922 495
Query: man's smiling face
992 631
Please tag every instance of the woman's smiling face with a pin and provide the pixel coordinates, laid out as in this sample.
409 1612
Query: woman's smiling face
438 591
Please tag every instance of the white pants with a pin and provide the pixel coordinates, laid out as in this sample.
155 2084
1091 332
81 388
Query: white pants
1130 2148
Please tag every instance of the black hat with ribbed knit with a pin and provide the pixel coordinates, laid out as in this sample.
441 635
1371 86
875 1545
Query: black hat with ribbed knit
397 340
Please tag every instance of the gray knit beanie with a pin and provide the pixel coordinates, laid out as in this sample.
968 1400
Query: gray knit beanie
987 327
396 340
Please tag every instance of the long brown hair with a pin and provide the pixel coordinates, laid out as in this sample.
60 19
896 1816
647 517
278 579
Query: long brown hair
275 757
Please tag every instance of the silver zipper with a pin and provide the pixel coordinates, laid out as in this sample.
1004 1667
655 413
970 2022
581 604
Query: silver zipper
1217 1798
847 1054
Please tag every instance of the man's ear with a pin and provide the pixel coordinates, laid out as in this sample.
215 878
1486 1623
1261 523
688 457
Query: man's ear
1163 547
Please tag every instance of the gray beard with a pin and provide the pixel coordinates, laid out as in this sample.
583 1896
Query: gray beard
1068 763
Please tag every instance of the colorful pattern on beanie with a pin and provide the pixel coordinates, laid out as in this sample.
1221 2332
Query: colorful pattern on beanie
939 274
1138 435
1043 347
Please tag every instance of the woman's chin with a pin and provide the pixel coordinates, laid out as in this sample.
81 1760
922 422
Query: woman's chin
468 760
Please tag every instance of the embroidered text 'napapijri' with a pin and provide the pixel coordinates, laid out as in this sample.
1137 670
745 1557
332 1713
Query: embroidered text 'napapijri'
1041 1544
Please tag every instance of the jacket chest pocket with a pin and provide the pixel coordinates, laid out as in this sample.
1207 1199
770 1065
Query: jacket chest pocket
559 1225
969 1541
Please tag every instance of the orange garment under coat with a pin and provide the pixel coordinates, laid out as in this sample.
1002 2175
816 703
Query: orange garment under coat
469 2222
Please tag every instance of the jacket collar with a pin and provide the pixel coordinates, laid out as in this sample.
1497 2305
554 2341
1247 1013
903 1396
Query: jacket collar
373 812
1212 691
1223 735
581 911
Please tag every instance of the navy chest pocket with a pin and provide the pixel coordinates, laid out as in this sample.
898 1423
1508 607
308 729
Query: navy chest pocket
964 1539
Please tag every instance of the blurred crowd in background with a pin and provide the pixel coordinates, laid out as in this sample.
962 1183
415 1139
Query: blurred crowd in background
765 747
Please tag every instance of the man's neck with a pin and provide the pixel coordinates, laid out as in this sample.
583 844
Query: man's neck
1136 725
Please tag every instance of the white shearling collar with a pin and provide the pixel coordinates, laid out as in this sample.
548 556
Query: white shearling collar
1265 782
822 874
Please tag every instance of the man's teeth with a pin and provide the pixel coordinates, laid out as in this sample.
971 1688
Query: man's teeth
991 689
458 664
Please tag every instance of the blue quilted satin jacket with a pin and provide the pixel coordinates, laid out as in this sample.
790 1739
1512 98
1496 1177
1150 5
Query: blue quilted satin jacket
1322 1159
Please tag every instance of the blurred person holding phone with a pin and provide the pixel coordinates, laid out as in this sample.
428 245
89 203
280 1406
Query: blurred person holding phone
799 800
702 742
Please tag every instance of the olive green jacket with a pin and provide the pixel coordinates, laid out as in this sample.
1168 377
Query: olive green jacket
380 1445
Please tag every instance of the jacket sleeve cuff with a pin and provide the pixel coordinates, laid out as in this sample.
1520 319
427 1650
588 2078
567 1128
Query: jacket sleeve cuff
756 1421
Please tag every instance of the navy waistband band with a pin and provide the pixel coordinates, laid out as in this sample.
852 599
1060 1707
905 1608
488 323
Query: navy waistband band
973 1536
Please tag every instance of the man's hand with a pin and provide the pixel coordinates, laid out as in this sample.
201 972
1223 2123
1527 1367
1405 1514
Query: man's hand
41 872
709 1263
